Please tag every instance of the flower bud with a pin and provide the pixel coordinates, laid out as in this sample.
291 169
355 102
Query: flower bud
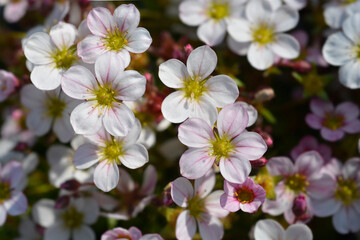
299 206
261 162
62 202
70 185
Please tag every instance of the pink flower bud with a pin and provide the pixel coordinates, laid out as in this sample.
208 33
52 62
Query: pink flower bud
261 162
299 206
62 202
71 185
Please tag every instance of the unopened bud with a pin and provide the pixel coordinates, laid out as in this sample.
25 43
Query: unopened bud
166 196
62 202
299 206
71 185
261 162
264 95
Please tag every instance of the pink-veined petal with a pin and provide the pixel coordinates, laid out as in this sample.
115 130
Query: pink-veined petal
205 184
222 89
235 170
127 17
185 226
181 191
232 120
63 35
195 163
212 229
107 68
280 166
195 132
100 21
172 73
139 40
201 62
135 156
17 204
268 230
106 175
90 48
86 118
86 156
249 145
118 120
130 85
38 48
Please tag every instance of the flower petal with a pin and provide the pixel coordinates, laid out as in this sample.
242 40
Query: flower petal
205 184
308 163
212 229
46 77
326 207
235 170
285 19
185 226
63 35
90 48
107 68
149 181
192 12
57 232
332 135
268 230
17 204
212 32
12 173
258 11
106 175
172 73
249 145
337 49
351 28
195 163
38 48
240 30
135 156
314 121
175 107
181 191
86 118
239 48
232 120
201 62
205 109
130 85
222 89
280 166
286 46
229 203
86 156
43 212
127 17
139 40
195 132
83 232
100 21
260 57
298 231
349 74
118 120
38 122
212 204
348 110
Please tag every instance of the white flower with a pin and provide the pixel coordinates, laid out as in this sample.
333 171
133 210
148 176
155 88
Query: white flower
270 230
48 109
211 16
60 159
28 230
111 151
68 223
260 35
342 49
118 33
14 10
337 11
197 95
52 54
103 96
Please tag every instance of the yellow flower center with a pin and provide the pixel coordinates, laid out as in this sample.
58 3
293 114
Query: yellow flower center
194 88
72 218
267 182
55 107
145 118
112 151
105 96
332 121
64 58
297 183
263 34
244 195
221 147
218 10
5 192
196 206
346 191
115 40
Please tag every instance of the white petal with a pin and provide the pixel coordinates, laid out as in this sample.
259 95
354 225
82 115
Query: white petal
135 156
232 120
38 122
351 28
17 204
83 232
86 118
249 145
204 185
222 89
260 57
240 30
326 207
239 48
172 73
335 15
106 175
139 40
192 13
78 82
212 204
341 221
285 19
258 11
175 107
63 35
130 85
43 212
338 49
118 120
63 128
204 108
38 48
100 21
268 230
235 170
127 17
201 62
57 232
349 74
3 215
90 48
181 191
195 163
298 231
90 209
212 32
211 230
31 97
286 46
195 132
85 156
185 226
46 77
107 68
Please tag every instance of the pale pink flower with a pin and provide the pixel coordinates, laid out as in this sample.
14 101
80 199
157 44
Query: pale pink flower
48 110
132 234
110 151
103 96
118 33
131 197
52 55
344 202
247 196
230 146
301 177
201 205
14 10
8 82
270 230
333 122
211 16
12 200
67 223
196 95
